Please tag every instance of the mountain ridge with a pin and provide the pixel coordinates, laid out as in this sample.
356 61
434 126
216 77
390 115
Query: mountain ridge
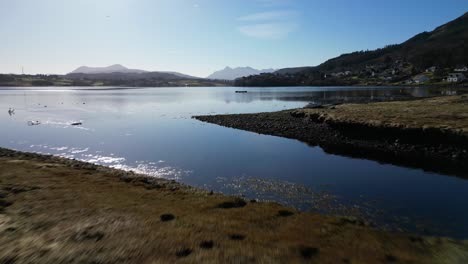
116 69
105 69
229 73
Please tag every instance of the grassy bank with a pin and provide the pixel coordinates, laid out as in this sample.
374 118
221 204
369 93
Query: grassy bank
58 210
445 114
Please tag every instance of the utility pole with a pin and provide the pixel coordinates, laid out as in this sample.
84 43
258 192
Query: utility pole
22 69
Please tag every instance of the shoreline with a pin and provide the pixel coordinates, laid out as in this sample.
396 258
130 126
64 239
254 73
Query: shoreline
434 86
440 150
54 209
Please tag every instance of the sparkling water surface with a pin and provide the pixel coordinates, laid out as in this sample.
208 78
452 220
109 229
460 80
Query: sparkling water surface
150 130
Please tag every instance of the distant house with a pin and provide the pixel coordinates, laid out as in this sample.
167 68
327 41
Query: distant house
456 77
431 69
461 69
347 73
420 78
340 74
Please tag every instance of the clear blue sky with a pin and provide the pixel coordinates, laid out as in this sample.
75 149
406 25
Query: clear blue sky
199 36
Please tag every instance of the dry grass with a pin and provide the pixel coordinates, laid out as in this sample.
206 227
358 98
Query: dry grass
54 213
446 113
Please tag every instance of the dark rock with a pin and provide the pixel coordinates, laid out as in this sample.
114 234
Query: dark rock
167 217
416 239
88 235
391 258
308 252
4 204
237 237
297 114
313 106
285 213
10 229
19 189
236 203
207 244
183 252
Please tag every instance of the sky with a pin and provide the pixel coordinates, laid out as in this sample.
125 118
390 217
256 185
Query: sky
198 37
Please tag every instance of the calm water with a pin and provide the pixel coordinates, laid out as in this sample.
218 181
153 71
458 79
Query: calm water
150 130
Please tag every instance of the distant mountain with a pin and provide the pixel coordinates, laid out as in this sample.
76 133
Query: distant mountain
119 71
126 76
181 75
108 69
445 47
229 73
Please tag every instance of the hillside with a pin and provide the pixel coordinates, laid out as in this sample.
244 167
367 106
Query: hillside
116 79
444 48
229 73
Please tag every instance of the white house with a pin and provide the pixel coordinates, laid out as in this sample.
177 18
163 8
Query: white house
340 74
420 78
431 69
456 77
462 69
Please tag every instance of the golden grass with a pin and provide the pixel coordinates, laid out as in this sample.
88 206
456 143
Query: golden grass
445 113
64 214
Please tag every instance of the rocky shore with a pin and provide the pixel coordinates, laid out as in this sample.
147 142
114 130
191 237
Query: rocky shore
430 133
57 210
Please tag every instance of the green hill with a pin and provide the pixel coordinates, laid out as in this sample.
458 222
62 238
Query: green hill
446 47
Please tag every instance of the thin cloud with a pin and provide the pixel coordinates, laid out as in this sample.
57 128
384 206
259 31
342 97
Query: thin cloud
269 25
268 16
268 30
269 3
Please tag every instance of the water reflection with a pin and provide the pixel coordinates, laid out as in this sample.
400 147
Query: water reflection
151 131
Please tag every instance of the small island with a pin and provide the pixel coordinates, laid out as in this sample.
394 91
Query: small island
429 133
